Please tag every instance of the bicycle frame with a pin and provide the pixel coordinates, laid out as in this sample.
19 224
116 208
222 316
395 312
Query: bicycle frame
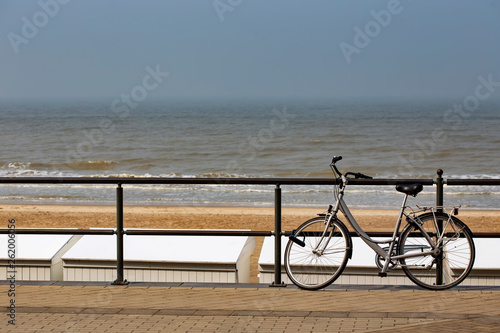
373 244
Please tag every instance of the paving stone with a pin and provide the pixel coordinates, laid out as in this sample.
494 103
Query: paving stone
207 308
150 312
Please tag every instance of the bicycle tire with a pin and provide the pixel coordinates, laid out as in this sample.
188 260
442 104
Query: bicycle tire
457 248
310 270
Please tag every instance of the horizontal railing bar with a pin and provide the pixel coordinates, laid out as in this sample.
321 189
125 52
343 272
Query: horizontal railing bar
29 231
239 181
486 234
206 181
487 182
160 180
189 232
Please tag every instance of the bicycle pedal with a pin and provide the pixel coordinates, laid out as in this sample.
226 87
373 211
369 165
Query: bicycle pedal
297 241
381 274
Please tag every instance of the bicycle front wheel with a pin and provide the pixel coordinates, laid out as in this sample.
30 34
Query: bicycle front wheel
455 257
318 255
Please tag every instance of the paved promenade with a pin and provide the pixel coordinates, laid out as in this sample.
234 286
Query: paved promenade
164 307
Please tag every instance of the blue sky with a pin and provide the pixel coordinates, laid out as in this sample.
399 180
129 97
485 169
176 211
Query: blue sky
248 48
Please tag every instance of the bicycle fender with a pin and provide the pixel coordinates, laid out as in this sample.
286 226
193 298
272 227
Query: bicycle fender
446 216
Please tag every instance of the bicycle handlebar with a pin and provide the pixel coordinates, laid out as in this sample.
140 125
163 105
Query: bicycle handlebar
356 175
335 159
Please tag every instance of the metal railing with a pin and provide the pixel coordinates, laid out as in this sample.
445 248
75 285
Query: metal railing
277 182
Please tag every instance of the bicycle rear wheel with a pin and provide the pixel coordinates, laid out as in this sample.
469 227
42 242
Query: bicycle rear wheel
316 259
457 252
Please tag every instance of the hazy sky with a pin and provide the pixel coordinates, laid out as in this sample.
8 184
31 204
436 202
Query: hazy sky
247 48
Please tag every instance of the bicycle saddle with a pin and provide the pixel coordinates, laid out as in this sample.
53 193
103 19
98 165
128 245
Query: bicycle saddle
410 189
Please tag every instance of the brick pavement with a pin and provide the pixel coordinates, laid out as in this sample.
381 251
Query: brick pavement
140 307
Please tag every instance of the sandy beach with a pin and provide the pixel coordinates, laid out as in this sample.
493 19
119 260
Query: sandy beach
254 218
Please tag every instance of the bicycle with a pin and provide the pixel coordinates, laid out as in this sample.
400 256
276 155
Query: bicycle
435 249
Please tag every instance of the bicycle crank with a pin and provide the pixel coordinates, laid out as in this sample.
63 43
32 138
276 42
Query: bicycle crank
380 262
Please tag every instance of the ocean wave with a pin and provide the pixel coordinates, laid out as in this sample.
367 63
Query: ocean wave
313 174
22 165
131 168
476 176
15 165
472 193
174 175
24 170
45 169
122 175
92 165
43 197
220 175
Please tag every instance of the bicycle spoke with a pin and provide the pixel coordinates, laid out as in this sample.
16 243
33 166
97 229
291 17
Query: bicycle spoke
322 259
457 253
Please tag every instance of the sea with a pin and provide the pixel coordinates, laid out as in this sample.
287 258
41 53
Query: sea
248 139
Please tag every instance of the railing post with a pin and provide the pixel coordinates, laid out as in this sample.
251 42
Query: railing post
439 202
277 238
119 237
439 189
